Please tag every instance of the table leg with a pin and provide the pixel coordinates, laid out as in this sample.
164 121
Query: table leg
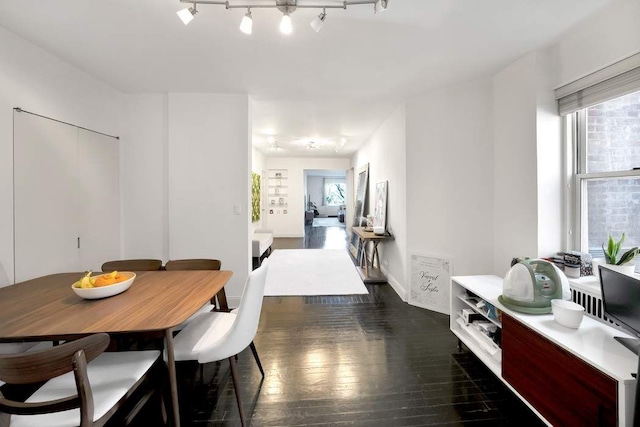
366 258
173 381
221 297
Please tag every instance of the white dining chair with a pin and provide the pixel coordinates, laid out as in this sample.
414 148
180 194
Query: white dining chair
215 336
81 385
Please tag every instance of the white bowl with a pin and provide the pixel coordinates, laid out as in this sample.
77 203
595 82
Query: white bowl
106 291
567 313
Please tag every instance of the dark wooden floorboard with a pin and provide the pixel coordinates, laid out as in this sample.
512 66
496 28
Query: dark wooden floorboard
365 360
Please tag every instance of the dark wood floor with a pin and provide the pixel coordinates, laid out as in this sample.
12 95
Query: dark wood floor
366 360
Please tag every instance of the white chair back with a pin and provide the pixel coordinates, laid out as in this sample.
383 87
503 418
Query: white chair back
245 325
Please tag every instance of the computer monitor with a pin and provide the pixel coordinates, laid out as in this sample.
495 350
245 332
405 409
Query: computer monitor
621 303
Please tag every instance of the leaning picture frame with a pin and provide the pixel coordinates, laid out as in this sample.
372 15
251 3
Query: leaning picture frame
360 202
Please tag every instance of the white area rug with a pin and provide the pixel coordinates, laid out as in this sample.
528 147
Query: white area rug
312 272
327 222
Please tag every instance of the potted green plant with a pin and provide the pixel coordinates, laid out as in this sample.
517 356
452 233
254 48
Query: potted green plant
613 258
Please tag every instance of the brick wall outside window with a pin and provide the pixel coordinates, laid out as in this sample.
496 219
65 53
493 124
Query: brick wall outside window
613 138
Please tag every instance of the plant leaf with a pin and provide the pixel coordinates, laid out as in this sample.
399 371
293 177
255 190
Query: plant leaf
628 256
606 255
611 248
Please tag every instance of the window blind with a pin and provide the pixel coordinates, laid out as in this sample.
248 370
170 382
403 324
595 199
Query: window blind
618 79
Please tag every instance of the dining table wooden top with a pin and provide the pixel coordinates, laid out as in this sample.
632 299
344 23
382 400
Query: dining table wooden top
47 307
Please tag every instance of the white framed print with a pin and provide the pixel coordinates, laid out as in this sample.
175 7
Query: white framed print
430 282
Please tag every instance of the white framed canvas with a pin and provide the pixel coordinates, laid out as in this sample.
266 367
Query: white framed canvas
430 282
380 212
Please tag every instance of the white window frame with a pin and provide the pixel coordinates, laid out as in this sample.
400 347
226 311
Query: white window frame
576 124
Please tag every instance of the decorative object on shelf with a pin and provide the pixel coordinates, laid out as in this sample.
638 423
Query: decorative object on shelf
613 260
430 282
281 200
271 211
255 197
287 7
577 264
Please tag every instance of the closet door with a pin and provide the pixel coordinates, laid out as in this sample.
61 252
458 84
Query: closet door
99 199
45 203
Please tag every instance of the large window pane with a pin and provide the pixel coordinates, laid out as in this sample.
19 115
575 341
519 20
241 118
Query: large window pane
613 208
613 135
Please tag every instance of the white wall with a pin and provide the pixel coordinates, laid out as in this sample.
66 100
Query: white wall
143 174
292 224
450 185
606 37
209 181
386 152
36 81
515 161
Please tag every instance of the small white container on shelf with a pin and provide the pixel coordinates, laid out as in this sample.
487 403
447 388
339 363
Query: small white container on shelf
567 313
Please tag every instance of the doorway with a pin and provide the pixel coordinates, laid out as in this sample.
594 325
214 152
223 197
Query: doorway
325 197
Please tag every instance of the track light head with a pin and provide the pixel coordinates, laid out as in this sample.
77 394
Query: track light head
286 27
247 22
380 5
187 14
318 21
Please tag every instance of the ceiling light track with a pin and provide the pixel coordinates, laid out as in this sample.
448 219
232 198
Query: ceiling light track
285 6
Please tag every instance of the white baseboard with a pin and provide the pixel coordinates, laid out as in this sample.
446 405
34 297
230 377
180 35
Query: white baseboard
400 290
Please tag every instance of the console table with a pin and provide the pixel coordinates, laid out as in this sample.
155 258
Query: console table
367 268
566 376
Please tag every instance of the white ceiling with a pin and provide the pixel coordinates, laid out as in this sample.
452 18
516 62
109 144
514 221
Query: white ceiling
339 83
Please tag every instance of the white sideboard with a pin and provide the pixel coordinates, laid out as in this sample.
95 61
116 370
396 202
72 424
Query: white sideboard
562 374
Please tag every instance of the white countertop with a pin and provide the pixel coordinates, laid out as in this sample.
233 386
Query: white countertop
592 342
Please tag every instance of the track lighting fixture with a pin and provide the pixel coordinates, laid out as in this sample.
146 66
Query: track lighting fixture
287 7
380 5
318 21
247 22
286 27
187 14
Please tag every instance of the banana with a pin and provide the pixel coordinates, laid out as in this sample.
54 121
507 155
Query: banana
86 280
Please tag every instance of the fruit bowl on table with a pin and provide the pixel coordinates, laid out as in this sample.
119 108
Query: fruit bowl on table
105 290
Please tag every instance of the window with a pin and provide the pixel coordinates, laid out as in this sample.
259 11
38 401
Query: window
607 178
335 192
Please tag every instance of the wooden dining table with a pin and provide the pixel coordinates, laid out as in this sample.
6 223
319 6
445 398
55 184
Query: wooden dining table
46 308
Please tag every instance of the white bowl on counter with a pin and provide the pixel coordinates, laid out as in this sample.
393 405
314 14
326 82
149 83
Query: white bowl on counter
567 313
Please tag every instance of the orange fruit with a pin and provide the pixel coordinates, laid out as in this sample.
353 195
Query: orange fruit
104 280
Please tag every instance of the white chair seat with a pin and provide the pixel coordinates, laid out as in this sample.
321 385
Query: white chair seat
111 376
199 331
208 307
